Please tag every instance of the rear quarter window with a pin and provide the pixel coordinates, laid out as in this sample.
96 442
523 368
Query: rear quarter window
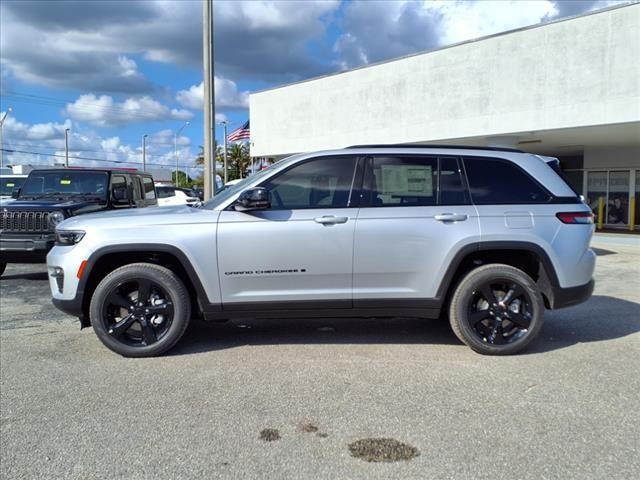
495 181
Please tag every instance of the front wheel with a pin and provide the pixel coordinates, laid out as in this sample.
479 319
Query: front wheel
140 310
496 310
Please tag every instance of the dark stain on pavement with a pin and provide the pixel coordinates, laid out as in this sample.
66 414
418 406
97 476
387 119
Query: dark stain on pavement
269 435
308 428
382 450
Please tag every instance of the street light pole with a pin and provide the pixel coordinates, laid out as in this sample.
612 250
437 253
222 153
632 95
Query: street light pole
9 110
144 152
66 147
224 125
209 100
175 150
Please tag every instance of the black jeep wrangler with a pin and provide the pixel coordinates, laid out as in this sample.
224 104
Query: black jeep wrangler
47 197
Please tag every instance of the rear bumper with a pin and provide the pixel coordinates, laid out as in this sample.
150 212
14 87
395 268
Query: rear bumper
567 297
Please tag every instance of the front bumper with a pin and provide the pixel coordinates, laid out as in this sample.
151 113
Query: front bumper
567 297
25 248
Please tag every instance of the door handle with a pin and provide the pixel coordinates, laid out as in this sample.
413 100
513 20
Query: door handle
451 217
330 220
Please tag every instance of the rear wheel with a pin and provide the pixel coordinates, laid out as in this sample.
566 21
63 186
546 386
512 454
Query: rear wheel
140 310
496 310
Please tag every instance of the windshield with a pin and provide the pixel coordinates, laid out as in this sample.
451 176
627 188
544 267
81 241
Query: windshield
44 184
7 184
229 192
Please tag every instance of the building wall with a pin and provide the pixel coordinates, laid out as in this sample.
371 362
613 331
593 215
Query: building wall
579 72
611 157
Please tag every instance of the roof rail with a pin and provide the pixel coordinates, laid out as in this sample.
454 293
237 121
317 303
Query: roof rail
413 145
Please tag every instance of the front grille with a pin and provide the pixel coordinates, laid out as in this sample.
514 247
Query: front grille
25 222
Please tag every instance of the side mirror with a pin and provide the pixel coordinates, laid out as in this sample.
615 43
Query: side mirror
120 195
253 199
15 193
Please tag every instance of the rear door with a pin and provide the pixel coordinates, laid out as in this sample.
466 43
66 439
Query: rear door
416 214
298 253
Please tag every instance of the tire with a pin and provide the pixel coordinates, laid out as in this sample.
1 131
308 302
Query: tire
506 324
3 266
140 327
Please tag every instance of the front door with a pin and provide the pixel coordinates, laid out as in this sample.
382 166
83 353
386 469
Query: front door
415 214
299 252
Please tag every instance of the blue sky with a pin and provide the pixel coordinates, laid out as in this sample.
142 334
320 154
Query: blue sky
112 71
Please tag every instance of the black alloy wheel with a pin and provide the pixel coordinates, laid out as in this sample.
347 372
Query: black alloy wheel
496 309
140 310
499 311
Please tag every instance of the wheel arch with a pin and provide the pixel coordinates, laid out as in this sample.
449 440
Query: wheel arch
107 259
528 257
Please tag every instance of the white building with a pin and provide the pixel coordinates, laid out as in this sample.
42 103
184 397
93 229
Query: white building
569 89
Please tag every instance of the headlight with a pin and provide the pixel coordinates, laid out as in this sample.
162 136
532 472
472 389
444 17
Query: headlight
64 238
55 218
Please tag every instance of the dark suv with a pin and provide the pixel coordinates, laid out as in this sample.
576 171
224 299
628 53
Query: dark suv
47 197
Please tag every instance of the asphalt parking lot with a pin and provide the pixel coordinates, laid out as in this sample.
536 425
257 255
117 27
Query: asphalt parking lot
567 408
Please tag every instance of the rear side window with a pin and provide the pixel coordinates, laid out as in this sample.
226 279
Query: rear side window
402 181
149 192
414 181
451 189
495 182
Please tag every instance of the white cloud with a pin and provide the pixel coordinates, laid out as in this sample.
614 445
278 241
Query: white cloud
12 128
43 144
105 111
226 93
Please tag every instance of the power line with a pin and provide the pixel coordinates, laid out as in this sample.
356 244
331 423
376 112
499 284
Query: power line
49 147
51 101
89 158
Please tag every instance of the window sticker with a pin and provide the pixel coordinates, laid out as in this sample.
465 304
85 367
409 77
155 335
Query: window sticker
407 180
11 184
65 181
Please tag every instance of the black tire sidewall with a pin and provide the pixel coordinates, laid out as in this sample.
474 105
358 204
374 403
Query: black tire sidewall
3 266
458 309
172 285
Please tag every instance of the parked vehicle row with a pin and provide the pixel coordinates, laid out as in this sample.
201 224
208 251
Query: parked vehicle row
489 237
48 197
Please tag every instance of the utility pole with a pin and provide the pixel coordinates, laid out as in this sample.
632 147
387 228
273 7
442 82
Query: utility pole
175 150
209 100
144 152
66 147
9 110
224 126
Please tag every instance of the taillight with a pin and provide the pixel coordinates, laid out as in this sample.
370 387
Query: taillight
580 218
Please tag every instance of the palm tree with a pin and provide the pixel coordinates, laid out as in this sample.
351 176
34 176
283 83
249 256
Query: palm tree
238 157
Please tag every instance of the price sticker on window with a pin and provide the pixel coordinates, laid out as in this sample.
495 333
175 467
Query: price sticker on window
65 181
11 184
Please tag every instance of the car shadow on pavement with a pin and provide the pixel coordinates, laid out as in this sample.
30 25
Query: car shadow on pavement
26 276
601 318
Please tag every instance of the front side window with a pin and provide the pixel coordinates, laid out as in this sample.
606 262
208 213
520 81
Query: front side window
401 181
499 182
319 183
149 191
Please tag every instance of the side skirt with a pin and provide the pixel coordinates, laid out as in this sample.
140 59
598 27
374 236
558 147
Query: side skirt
217 315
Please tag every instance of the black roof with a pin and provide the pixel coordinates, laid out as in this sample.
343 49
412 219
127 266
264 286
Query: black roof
413 145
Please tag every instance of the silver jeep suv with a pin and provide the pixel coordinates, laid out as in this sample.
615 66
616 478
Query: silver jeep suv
490 237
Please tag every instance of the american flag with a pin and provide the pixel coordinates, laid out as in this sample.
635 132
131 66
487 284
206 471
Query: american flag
241 133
